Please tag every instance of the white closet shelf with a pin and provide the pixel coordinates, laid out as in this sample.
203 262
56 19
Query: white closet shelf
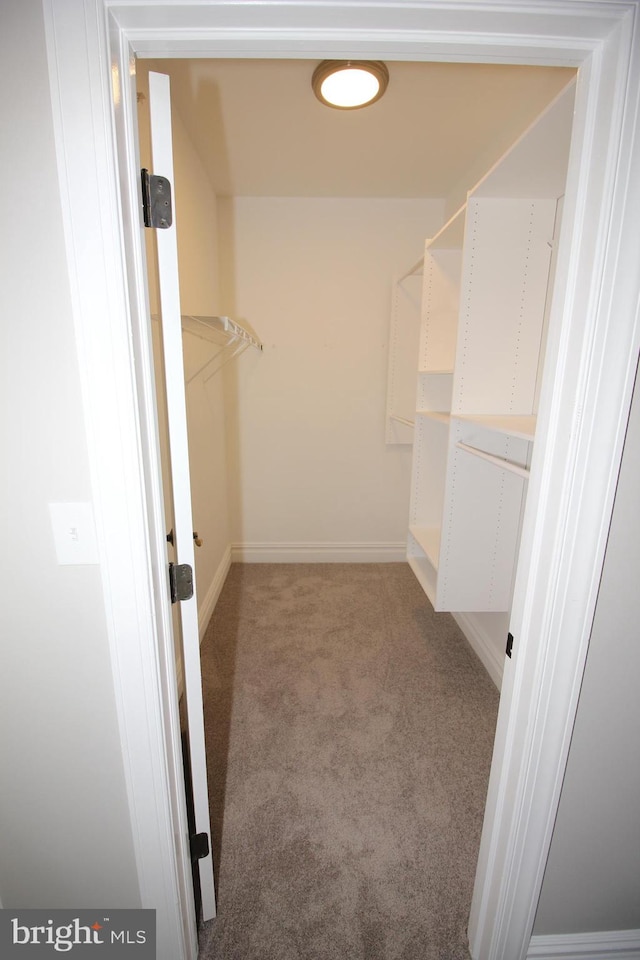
440 416
428 539
228 334
511 425
214 328
501 462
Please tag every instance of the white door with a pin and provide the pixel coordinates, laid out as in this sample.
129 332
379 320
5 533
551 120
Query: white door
162 154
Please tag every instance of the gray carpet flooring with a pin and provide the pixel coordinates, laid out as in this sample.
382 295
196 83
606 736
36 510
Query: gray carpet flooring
349 736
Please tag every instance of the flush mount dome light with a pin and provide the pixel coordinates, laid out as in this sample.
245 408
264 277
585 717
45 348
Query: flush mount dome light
349 84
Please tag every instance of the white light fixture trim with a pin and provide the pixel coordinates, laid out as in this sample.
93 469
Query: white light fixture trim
349 84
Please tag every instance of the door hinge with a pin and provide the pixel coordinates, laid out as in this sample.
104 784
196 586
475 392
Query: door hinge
509 644
180 581
156 200
199 846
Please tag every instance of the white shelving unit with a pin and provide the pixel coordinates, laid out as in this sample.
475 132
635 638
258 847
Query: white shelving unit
486 287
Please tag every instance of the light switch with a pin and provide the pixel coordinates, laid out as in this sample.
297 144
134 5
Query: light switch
74 532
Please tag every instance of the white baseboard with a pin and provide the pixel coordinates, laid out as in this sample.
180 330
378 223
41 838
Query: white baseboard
481 644
318 552
208 605
609 945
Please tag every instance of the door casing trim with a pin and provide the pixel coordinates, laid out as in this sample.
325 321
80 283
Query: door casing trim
91 46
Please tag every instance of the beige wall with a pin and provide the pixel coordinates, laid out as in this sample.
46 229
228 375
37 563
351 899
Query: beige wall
592 880
65 837
313 277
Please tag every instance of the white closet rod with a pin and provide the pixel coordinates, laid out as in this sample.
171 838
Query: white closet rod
497 461
453 226
415 270
407 423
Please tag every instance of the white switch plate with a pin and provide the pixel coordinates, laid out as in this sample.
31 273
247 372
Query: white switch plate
74 532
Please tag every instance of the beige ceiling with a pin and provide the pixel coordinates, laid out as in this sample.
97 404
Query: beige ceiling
260 131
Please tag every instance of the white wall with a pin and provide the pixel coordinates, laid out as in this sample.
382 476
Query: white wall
65 839
592 880
313 476
196 219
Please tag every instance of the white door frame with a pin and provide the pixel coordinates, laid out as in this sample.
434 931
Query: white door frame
591 358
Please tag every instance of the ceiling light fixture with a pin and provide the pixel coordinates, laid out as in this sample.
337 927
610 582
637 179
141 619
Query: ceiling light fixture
349 84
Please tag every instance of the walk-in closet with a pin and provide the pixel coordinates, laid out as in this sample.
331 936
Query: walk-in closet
365 301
